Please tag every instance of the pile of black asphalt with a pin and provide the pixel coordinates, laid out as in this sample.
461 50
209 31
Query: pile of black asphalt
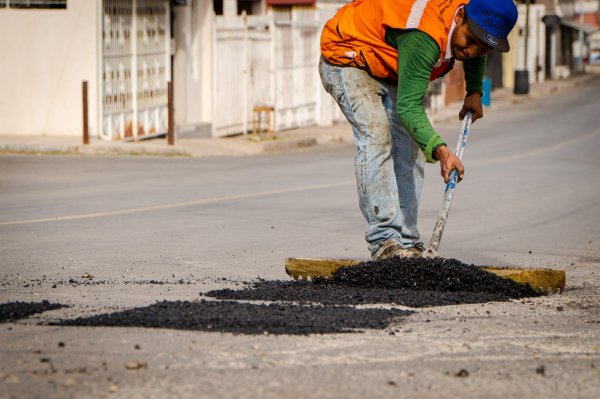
245 318
413 282
13 311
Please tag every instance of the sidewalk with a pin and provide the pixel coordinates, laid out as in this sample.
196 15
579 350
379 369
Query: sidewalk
244 144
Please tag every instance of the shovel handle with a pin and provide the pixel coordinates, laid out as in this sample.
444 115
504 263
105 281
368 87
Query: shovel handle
436 237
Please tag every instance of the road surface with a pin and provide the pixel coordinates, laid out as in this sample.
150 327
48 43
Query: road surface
530 197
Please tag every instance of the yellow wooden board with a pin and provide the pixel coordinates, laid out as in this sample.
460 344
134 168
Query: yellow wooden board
545 280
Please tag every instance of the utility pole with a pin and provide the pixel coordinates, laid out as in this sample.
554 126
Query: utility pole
522 76
580 67
526 34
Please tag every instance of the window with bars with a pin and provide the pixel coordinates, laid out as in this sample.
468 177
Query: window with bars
47 4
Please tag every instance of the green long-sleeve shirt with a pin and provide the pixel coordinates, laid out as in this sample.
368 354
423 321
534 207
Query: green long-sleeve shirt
417 53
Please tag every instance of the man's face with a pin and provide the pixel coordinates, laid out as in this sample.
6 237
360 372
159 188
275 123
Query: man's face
464 43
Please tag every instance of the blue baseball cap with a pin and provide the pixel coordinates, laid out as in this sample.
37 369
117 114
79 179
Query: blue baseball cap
491 21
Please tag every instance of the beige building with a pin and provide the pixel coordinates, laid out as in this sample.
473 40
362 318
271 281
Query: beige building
224 57
122 48
47 53
128 50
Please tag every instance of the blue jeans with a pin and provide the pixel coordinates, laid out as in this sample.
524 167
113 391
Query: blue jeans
389 164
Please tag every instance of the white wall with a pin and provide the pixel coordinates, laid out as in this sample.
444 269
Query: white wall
329 111
193 64
46 54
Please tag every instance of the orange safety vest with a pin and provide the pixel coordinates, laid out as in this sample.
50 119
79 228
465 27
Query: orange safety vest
355 36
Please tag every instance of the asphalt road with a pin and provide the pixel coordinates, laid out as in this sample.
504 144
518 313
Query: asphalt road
530 197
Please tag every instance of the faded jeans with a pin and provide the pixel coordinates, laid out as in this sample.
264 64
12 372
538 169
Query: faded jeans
389 165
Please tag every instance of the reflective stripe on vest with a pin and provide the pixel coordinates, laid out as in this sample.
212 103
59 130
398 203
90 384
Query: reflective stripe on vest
416 12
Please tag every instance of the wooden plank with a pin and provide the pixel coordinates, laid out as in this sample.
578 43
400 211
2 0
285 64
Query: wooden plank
545 280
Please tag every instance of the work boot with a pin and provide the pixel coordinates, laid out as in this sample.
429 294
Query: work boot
392 248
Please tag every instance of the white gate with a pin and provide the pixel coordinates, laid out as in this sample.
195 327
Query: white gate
265 61
296 58
136 68
231 57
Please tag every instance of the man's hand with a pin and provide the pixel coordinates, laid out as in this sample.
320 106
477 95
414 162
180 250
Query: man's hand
448 162
472 103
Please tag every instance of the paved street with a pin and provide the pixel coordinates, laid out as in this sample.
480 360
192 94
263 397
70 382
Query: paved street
530 198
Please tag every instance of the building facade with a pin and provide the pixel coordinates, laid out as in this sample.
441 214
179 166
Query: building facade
224 57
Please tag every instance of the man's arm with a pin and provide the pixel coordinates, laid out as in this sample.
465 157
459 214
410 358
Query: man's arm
474 71
417 53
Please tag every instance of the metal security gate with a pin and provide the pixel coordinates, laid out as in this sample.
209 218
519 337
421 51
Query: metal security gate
265 61
135 69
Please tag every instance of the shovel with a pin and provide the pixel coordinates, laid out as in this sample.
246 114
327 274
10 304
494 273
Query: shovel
436 237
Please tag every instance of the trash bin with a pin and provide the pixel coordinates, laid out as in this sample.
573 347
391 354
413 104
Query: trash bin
521 82
486 99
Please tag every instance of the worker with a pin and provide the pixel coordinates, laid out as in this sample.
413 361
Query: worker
377 59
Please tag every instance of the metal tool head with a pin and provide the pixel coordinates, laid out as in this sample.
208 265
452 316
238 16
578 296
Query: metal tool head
429 253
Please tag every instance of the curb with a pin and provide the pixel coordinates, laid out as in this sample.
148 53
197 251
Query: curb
38 149
85 150
276 146
141 151
249 148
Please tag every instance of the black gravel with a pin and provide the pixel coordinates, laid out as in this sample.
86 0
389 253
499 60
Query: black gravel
416 282
329 294
436 274
13 311
245 318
